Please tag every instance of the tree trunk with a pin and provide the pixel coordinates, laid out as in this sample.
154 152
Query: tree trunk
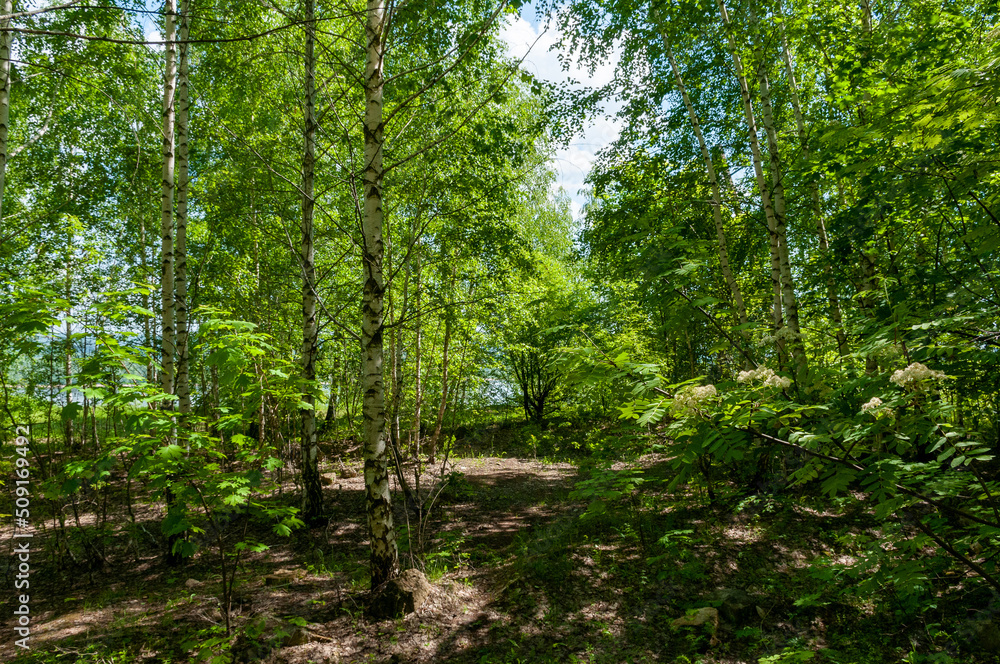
418 395
765 193
68 349
384 554
167 208
146 327
824 242
167 233
397 363
788 298
713 182
6 37
331 404
869 304
432 446
180 250
312 490
215 393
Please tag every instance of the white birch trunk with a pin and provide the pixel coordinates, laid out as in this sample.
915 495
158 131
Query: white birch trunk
384 555
68 350
169 349
788 298
418 396
765 193
180 248
713 182
312 489
824 241
167 206
6 37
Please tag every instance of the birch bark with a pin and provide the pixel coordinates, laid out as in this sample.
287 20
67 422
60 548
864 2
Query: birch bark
384 554
765 193
788 298
6 37
868 260
312 489
824 241
167 384
68 350
167 206
713 181
418 396
180 248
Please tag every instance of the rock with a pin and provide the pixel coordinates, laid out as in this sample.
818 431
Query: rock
325 481
348 473
735 606
192 583
404 594
282 577
698 617
298 637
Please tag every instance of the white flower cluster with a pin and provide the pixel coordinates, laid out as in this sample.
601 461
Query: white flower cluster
689 398
784 334
766 376
873 404
911 376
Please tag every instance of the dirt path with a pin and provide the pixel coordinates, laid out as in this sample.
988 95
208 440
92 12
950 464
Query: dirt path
145 608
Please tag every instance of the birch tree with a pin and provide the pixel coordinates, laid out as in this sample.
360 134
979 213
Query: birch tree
168 348
836 315
788 297
312 493
384 554
777 271
180 248
6 38
716 202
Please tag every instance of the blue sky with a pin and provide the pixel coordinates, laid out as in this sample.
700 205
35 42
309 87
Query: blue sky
572 164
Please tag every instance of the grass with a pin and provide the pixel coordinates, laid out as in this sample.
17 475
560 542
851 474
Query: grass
536 577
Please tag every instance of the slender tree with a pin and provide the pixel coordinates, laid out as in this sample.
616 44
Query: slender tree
824 241
778 320
6 37
788 297
716 202
384 554
168 348
312 489
181 214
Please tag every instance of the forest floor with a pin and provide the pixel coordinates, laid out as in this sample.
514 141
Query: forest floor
517 576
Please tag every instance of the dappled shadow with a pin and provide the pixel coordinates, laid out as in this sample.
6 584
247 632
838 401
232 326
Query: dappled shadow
535 582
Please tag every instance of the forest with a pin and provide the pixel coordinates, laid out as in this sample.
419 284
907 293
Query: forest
308 355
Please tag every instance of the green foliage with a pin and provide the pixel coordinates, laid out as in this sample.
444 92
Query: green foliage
457 487
606 487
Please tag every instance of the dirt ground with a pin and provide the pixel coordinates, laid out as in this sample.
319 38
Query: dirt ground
519 575
141 604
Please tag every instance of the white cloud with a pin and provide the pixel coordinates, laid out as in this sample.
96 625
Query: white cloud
573 163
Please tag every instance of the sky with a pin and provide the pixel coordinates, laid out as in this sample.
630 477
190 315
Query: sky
573 163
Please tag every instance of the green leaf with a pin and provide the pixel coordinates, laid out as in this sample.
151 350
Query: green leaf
70 412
